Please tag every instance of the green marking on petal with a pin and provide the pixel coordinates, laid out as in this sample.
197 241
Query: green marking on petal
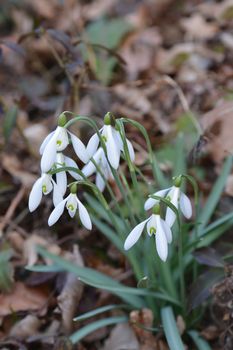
71 207
59 142
104 138
44 189
152 230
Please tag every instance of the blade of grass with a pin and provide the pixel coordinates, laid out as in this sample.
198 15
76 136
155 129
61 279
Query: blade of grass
199 341
170 329
132 291
99 311
214 196
93 276
81 333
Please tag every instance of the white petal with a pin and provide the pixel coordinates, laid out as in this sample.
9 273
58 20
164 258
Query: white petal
170 214
150 202
49 155
134 235
35 195
113 151
93 145
170 217
84 216
100 183
69 162
57 194
131 150
161 241
47 185
79 148
151 225
90 168
61 179
72 204
57 212
185 206
62 139
45 142
167 231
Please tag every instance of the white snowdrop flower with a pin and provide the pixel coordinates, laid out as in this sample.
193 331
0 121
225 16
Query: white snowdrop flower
72 204
113 141
44 185
176 197
102 163
61 176
57 141
155 225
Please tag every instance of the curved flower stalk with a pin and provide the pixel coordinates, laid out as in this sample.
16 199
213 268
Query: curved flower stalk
113 142
102 163
72 204
44 185
57 141
176 197
155 225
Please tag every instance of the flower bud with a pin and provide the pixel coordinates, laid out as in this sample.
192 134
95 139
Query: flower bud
73 188
156 209
177 181
62 120
109 119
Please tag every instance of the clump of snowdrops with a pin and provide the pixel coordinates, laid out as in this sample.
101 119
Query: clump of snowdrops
150 225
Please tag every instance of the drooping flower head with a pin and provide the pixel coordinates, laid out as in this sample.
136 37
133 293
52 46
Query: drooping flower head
105 171
44 185
176 197
112 139
57 141
156 226
72 204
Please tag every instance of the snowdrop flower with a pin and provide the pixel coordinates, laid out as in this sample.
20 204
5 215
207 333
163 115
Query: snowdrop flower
72 204
44 185
176 197
113 141
101 161
155 225
57 141
61 177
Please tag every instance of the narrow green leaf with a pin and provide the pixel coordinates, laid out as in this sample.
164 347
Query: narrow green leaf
108 232
81 333
214 196
98 311
9 122
6 270
180 157
215 230
44 268
199 341
93 276
132 291
170 329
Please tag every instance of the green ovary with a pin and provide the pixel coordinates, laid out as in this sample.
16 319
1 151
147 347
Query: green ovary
152 230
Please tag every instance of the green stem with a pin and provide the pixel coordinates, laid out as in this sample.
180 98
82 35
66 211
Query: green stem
181 270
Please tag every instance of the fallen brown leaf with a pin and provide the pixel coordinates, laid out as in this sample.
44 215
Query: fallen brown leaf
122 337
26 327
23 298
72 291
218 125
197 27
